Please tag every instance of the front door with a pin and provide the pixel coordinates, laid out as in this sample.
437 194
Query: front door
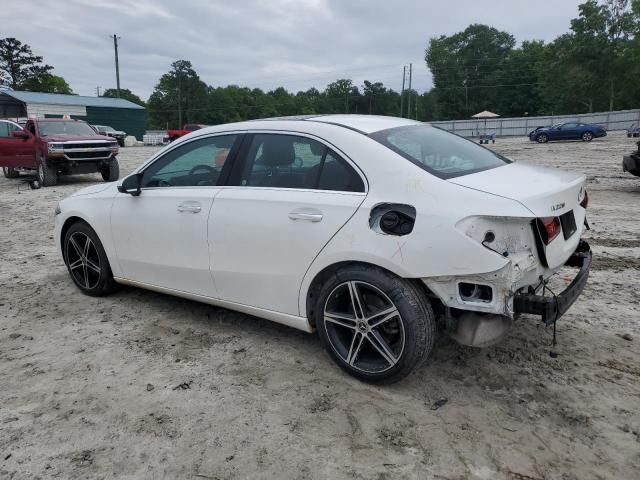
290 195
568 131
15 151
161 235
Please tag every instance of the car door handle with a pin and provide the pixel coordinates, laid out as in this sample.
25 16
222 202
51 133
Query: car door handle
191 207
309 214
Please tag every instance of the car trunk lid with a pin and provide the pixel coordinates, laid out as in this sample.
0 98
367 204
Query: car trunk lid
546 192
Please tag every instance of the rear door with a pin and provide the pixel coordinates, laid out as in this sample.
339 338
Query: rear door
289 195
161 235
15 151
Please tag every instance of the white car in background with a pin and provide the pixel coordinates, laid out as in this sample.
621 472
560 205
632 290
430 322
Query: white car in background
370 230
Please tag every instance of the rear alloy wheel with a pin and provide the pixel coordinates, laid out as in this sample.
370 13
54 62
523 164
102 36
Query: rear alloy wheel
47 176
376 326
87 261
542 138
111 172
587 136
10 172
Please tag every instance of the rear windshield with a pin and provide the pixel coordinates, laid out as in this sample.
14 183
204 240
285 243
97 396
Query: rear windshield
64 128
439 152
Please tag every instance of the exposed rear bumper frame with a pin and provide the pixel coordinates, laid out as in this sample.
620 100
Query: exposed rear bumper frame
552 308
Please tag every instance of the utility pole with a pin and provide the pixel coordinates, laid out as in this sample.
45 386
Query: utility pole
98 90
404 76
409 99
115 47
466 96
179 99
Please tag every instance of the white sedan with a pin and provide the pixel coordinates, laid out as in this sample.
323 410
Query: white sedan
372 231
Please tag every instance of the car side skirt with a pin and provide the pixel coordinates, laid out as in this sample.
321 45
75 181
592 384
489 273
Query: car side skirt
300 323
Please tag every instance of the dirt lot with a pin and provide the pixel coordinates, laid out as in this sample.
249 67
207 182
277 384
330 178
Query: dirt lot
141 385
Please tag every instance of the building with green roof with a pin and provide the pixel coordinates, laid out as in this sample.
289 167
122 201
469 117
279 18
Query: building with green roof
116 112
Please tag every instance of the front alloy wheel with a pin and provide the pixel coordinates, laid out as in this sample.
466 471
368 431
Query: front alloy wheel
587 136
543 138
376 326
83 260
87 261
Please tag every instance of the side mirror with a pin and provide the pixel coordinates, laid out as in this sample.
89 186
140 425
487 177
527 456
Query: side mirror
21 134
131 185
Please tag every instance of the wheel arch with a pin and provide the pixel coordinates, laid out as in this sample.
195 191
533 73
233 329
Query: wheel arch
72 220
309 295
66 226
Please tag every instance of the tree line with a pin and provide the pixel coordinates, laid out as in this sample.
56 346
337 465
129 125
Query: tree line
595 66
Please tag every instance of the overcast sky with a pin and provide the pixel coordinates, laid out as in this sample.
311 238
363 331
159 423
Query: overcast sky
260 43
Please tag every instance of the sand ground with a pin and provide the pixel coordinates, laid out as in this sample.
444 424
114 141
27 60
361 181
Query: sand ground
142 385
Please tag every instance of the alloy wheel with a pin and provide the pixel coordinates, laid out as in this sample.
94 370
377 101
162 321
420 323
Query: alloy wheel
364 327
83 260
587 136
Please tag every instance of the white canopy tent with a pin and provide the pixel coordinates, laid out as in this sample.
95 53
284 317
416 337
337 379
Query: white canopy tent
484 115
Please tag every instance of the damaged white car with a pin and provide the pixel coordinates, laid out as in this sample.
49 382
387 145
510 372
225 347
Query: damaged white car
372 231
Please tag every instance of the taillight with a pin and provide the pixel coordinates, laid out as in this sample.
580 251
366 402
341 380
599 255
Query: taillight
585 200
550 229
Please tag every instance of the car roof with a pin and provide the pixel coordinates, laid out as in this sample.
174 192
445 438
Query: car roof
365 124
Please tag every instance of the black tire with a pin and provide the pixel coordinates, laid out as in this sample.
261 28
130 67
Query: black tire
121 142
408 333
629 135
92 276
111 172
10 172
587 136
47 176
542 138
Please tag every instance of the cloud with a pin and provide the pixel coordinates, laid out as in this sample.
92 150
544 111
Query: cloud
292 43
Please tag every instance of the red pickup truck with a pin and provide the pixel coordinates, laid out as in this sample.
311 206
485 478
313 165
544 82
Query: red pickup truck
187 128
55 147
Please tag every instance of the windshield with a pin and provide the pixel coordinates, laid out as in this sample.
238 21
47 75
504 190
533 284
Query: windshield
441 153
64 128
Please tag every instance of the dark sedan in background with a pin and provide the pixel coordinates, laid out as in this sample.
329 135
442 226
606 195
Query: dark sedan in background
567 131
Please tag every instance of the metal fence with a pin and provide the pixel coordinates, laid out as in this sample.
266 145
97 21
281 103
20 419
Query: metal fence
620 120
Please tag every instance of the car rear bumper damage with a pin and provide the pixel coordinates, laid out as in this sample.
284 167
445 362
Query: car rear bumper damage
553 307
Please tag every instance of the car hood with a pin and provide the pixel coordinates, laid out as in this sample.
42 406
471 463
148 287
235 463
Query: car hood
97 188
71 138
546 192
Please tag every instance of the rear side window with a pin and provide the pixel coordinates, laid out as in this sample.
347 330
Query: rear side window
289 161
441 153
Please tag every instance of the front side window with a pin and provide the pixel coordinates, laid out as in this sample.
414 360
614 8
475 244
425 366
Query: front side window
196 164
441 153
289 161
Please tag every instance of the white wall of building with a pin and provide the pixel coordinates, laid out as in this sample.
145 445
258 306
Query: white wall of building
42 109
